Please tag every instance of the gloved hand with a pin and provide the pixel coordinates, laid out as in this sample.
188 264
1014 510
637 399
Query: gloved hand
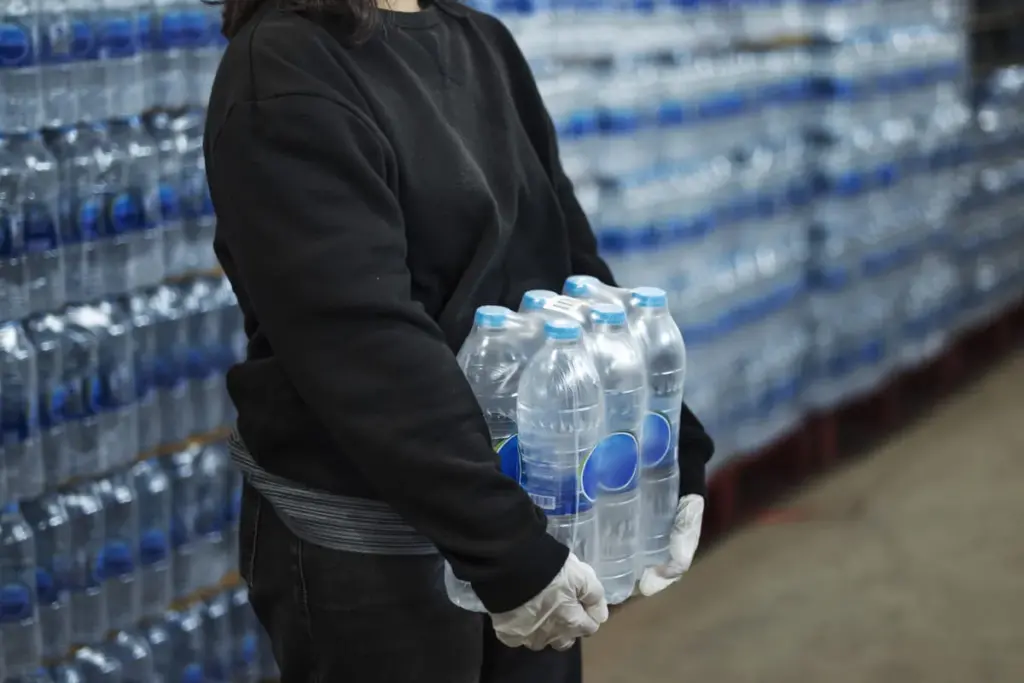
572 606
682 546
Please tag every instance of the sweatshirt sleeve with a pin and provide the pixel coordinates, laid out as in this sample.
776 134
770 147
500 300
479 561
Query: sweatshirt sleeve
300 184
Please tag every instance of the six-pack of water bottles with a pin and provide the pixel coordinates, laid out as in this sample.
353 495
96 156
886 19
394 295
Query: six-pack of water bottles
582 395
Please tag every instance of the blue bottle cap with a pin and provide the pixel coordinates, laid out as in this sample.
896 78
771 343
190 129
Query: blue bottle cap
491 316
650 297
534 299
608 314
578 285
567 330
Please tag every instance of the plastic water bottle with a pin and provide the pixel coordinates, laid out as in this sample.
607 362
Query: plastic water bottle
88 594
203 45
204 380
119 562
54 547
167 71
120 55
493 359
98 666
216 613
56 56
153 488
81 406
172 346
160 645
244 637
118 416
197 205
81 211
40 206
19 413
665 355
19 608
185 628
46 333
134 208
21 105
144 334
560 414
213 469
131 650
620 365
181 468
176 256
14 299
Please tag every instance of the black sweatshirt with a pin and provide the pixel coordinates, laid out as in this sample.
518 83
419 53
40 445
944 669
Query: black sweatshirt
369 199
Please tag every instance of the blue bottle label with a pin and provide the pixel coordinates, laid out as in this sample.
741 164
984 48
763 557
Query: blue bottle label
508 455
86 224
118 38
154 547
117 387
17 602
656 449
197 366
170 202
567 496
147 35
17 45
18 416
167 373
617 462
194 29
12 234
41 229
116 559
50 588
84 45
56 39
82 398
169 31
53 406
125 212
248 652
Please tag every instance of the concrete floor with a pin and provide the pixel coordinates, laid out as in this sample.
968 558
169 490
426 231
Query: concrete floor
908 568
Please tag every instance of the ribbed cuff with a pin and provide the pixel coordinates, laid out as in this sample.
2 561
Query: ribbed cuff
527 572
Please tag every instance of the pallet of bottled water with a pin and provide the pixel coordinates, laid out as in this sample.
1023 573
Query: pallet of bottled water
582 395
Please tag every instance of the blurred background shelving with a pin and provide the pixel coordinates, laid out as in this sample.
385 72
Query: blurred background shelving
831 192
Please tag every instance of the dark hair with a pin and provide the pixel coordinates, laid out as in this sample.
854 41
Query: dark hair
360 17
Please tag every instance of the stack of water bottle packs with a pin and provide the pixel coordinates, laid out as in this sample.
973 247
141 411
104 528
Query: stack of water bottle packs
582 395
114 339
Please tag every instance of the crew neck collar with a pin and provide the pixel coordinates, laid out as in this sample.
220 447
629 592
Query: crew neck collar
426 17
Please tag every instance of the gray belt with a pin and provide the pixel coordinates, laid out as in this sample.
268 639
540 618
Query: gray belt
354 525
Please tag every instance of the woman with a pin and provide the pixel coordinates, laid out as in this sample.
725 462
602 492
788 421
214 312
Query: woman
377 175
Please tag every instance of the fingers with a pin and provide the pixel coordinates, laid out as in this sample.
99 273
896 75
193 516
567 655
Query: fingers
590 592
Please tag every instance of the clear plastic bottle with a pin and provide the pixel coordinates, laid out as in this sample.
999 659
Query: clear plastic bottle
172 347
144 333
19 607
159 638
167 71
54 547
81 211
134 208
56 39
119 562
620 366
176 256
132 651
204 380
88 592
120 55
46 334
87 68
153 488
665 355
197 205
188 647
181 467
19 414
216 612
244 635
493 359
14 299
560 414
213 469
82 403
21 107
97 666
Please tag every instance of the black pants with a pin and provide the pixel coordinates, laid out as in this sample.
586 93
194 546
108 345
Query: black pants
336 617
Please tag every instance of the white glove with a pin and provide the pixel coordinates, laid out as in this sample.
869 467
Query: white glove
572 606
682 546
